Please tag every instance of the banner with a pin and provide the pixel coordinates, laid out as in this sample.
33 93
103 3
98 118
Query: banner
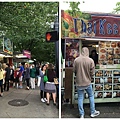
7 46
98 26
27 53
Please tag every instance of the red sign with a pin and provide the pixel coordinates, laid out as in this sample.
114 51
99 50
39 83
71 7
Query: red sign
27 53
103 26
99 26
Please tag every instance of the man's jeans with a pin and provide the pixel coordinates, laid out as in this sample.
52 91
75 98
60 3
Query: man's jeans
81 98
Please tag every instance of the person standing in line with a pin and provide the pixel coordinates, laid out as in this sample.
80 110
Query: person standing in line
16 77
42 84
84 69
27 75
3 67
50 87
32 76
38 74
7 77
12 75
1 80
21 75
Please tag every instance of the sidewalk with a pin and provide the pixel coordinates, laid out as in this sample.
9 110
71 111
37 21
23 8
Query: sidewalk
35 108
107 110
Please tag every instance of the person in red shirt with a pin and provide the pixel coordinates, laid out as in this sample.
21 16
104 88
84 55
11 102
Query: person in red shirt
16 78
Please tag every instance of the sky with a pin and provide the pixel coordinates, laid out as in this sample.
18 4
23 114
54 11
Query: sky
105 6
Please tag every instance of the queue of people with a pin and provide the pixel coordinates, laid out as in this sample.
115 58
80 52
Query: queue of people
29 73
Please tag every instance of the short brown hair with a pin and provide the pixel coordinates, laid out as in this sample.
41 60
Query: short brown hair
50 66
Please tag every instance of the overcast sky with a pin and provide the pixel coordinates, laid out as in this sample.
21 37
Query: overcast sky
105 6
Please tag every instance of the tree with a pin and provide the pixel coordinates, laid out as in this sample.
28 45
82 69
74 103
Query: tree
75 11
25 23
117 9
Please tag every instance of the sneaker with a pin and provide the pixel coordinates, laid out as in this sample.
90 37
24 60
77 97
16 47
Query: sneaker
82 116
96 113
42 100
45 99
1 95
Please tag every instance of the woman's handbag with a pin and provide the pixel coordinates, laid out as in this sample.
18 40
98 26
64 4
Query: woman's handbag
45 78
56 81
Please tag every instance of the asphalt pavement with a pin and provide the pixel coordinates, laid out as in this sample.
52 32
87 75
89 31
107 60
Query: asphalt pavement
107 110
33 109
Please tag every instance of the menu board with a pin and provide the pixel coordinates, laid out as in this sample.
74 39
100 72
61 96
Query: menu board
109 53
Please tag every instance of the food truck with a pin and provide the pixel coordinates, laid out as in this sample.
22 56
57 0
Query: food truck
101 33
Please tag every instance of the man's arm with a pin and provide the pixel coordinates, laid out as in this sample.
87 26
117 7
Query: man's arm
92 68
74 67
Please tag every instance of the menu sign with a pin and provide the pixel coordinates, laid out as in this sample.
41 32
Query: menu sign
109 53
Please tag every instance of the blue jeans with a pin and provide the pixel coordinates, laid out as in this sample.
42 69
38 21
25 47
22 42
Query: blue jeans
81 98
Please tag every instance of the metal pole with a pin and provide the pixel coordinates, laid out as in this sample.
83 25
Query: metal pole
57 45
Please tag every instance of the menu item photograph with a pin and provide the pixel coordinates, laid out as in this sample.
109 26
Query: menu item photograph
116 56
117 51
109 57
107 87
113 44
110 62
102 56
99 73
97 80
98 87
110 51
116 80
118 44
102 44
102 62
107 73
108 44
103 50
116 61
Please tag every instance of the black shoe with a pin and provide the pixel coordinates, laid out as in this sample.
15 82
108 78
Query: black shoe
54 104
47 104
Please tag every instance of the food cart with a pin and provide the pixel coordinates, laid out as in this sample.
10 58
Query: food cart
101 33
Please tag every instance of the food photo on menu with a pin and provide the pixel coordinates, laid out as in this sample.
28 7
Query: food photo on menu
109 53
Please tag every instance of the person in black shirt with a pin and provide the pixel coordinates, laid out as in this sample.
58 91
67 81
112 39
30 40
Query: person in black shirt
94 56
7 77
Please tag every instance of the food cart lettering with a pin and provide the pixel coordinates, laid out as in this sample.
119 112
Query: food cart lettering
83 26
92 26
102 31
112 29
94 22
89 27
75 25
109 28
115 29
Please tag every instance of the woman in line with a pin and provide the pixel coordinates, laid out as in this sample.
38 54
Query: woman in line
50 86
42 84
12 75
1 79
32 76
27 75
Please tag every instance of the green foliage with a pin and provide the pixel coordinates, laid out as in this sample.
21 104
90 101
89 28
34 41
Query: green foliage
117 9
25 23
74 11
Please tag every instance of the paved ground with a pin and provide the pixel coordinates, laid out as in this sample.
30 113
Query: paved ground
107 110
35 108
